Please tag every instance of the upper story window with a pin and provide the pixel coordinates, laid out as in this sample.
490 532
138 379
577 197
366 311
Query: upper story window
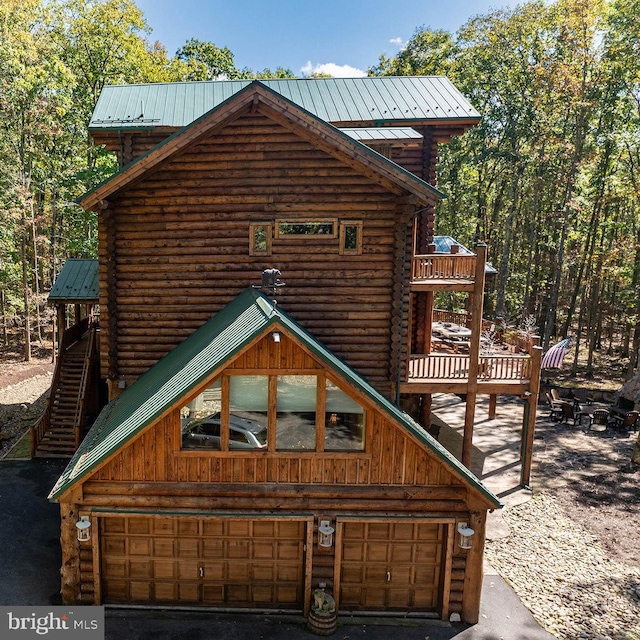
306 228
351 237
274 413
260 234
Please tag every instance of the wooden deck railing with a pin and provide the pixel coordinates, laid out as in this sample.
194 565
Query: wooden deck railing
456 367
463 319
443 266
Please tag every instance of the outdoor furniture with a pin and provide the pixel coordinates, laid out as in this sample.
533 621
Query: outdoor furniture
569 413
452 334
555 407
599 417
629 421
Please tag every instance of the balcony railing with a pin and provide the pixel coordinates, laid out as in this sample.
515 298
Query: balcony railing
443 266
456 367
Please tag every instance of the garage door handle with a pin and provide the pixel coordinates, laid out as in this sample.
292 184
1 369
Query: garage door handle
388 576
202 572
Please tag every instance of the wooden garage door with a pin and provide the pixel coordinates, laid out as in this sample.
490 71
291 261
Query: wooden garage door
205 561
389 566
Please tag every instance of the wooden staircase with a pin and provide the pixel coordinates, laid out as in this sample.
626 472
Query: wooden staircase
73 396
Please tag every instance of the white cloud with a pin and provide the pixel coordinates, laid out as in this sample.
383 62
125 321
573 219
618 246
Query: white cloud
334 70
397 41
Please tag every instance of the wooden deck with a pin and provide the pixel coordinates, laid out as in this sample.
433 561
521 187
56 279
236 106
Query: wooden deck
443 272
446 372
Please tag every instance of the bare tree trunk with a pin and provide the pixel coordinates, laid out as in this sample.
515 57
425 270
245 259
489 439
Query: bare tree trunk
36 275
5 333
25 290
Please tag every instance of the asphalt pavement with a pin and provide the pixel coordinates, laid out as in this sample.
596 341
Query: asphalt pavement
30 575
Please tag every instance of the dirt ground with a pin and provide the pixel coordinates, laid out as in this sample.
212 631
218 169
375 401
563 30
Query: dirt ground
590 473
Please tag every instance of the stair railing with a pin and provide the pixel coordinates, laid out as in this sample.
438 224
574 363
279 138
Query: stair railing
85 382
71 334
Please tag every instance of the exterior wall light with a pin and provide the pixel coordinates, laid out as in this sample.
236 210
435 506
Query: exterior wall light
325 534
84 529
465 535
276 336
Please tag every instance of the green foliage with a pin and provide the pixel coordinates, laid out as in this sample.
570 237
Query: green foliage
205 61
549 178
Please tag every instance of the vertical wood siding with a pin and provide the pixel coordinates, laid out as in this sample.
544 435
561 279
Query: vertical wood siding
392 457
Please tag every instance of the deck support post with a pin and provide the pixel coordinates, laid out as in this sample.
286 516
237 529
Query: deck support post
493 399
474 356
529 418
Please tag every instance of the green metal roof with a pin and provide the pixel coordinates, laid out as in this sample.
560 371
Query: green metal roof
193 361
382 100
260 90
386 134
76 282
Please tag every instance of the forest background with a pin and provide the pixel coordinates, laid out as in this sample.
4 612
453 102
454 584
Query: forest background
550 179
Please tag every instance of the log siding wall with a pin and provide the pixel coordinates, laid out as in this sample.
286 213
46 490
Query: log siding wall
182 248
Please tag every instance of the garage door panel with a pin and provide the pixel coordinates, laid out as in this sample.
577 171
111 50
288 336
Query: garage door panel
238 549
188 548
188 592
264 529
115 569
212 548
140 590
399 598
212 593
238 571
164 570
264 550
288 595
377 551
238 594
378 531
139 526
401 552
288 573
390 566
288 550
140 569
164 547
166 591
203 561
263 594
116 590
214 570
353 551
115 546
266 573
188 569
140 546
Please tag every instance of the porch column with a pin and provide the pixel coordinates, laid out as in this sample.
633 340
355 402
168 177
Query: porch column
529 419
474 356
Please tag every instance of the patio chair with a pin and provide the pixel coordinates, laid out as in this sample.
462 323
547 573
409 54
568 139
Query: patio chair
599 417
555 407
630 421
569 413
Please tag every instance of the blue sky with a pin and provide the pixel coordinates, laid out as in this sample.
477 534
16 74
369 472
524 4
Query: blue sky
340 37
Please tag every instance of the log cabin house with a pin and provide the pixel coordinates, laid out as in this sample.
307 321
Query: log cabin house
267 272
